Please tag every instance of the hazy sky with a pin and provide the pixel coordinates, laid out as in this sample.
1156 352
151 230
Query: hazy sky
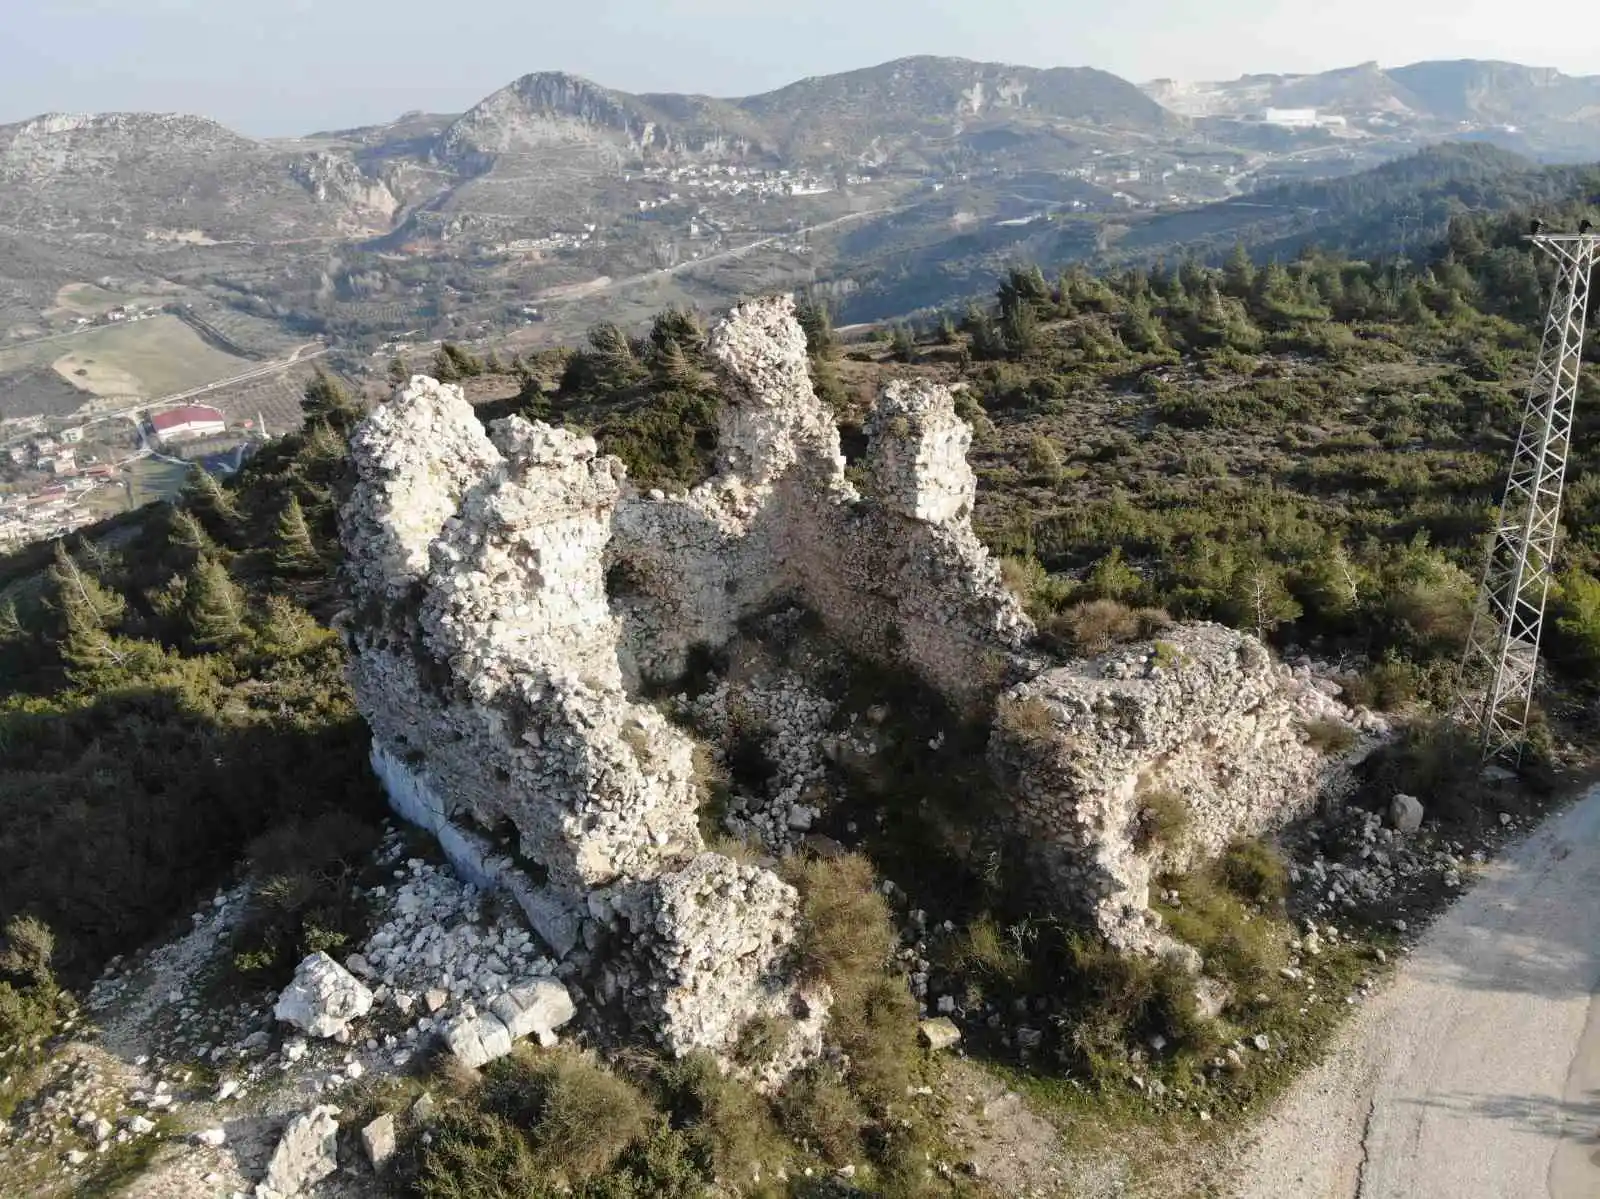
289 66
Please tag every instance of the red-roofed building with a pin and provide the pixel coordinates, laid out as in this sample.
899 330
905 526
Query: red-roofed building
192 420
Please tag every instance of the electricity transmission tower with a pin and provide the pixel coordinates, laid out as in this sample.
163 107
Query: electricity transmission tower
1502 653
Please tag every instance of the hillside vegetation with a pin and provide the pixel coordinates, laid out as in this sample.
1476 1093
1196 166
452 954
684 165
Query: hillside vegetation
1310 451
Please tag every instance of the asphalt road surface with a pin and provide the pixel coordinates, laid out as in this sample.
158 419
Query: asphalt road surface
1477 1071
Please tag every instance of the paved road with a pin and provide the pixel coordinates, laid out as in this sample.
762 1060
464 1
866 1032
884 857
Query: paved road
603 285
1477 1072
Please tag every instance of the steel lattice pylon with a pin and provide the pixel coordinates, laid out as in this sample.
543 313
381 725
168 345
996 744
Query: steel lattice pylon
1495 690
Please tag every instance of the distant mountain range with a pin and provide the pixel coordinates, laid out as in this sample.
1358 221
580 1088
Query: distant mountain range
1530 109
555 186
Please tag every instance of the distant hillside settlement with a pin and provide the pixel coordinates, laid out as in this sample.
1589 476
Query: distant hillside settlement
56 480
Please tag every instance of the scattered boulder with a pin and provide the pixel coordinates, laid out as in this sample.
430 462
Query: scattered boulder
323 998
307 1153
212 1138
939 1033
424 1109
1405 813
536 1010
1210 998
477 1040
378 1140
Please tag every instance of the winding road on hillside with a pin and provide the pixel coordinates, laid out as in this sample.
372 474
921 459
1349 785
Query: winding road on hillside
1477 1072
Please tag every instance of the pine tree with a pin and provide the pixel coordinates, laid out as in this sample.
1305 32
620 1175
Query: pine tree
324 446
80 597
287 630
88 613
12 630
444 368
294 551
677 325
327 402
212 503
1019 329
903 344
671 366
170 600
814 317
186 533
612 357
216 606
1239 273
399 371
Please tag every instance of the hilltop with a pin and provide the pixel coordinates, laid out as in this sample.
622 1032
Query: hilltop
1535 110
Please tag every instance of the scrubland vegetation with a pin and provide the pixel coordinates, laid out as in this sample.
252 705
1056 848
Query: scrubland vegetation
1311 451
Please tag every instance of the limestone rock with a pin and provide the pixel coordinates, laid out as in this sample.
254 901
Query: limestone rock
535 1010
939 1033
212 1138
306 1154
1200 718
476 1040
1406 813
323 998
378 1139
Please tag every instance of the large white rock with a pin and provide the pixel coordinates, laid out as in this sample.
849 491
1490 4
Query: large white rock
477 1040
379 1141
536 1010
323 998
307 1153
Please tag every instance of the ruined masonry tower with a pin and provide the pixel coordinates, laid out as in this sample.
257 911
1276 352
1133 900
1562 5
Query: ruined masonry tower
502 678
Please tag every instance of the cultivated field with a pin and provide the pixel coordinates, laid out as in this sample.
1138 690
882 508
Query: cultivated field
90 299
148 359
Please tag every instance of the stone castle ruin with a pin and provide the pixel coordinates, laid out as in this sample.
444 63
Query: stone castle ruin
513 597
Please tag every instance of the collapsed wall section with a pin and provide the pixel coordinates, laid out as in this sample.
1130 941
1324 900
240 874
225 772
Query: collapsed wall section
1201 723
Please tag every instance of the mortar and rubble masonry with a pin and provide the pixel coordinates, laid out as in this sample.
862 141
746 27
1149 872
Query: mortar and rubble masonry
503 680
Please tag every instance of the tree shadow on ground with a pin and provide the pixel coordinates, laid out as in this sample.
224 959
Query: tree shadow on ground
1539 1114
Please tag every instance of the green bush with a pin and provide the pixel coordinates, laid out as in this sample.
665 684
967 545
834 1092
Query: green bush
302 901
1254 870
1329 736
728 1130
819 1111
1161 822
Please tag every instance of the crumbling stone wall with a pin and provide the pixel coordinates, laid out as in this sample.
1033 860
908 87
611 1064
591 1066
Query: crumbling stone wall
1203 717
898 575
493 687
511 593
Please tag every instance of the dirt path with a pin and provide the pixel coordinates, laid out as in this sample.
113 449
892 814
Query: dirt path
1477 1073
